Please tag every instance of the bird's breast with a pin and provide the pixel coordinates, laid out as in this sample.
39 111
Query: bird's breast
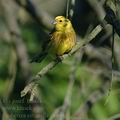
62 42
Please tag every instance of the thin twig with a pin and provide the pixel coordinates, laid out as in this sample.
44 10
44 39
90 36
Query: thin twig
92 99
67 8
114 117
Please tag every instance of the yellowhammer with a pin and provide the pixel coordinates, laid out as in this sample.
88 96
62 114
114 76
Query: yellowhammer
62 39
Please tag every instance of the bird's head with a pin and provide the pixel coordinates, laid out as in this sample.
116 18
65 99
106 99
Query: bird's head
61 23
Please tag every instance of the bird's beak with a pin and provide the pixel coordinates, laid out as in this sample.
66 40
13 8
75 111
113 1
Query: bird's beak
54 22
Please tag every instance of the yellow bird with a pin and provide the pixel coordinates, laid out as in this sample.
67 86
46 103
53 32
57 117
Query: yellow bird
62 39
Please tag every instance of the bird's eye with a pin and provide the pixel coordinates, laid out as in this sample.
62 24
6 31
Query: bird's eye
60 20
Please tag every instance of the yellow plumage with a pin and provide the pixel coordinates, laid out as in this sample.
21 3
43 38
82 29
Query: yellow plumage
62 39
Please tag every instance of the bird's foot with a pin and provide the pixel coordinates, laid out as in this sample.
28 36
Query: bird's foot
59 58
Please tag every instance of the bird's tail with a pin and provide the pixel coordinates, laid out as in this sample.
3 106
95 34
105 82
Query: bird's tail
39 57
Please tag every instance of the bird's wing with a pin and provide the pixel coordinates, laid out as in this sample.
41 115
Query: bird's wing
38 57
45 49
46 44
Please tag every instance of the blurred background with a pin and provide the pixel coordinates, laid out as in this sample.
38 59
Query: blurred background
85 86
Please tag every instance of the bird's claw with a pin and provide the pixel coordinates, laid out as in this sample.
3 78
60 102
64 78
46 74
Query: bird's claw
60 58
